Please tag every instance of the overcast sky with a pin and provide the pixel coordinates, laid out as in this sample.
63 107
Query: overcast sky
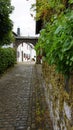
21 17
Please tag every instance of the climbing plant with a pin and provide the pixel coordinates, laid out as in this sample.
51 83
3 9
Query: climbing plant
46 8
56 39
59 50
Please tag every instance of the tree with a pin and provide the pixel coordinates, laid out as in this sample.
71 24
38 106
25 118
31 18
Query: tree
5 22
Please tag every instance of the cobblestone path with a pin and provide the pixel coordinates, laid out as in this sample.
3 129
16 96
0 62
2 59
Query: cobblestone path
22 100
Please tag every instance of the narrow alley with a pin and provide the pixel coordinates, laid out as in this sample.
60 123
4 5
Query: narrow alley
22 99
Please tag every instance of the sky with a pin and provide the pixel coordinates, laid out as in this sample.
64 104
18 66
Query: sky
21 17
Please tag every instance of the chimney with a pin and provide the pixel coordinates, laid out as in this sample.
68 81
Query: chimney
18 31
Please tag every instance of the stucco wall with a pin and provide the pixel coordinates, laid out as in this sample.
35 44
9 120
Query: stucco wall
59 101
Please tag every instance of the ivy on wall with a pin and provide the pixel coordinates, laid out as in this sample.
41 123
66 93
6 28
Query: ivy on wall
56 41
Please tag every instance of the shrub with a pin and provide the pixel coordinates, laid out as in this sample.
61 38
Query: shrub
7 58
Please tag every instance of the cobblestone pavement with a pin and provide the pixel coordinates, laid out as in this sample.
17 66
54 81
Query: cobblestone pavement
22 100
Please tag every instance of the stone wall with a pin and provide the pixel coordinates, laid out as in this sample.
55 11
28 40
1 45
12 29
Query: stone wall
59 101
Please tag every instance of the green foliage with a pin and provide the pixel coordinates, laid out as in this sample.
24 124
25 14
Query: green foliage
56 40
42 9
45 9
7 58
5 22
71 1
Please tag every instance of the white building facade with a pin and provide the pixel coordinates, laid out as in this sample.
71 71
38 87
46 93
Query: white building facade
26 52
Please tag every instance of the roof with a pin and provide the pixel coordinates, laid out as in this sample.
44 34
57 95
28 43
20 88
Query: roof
15 34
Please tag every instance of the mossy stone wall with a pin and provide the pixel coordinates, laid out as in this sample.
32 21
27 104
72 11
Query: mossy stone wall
59 101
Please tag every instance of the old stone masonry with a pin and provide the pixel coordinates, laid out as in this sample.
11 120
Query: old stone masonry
22 99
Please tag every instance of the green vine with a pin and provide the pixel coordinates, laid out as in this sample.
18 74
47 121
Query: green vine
56 41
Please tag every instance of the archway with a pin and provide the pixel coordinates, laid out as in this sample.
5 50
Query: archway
22 39
30 40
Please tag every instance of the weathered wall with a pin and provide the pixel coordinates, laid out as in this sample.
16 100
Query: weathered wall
59 101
